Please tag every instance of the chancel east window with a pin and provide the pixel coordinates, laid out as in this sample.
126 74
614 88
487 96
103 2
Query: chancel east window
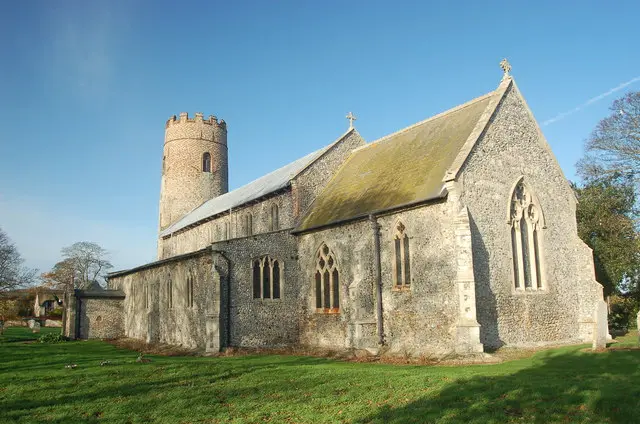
267 278
327 281
170 293
526 222
206 162
401 263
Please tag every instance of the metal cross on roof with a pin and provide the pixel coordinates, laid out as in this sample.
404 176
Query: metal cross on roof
506 67
351 117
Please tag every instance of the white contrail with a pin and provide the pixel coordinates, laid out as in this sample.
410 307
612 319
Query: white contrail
590 101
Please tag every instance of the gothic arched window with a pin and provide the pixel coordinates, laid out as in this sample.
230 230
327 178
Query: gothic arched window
206 162
526 222
401 263
267 277
327 281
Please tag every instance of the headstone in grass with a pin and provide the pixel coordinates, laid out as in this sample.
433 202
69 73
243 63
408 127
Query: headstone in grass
31 323
36 327
601 329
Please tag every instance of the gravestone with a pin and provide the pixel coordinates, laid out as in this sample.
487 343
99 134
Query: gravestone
601 329
36 327
31 323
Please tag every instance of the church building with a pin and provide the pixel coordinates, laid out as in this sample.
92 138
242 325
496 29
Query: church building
454 235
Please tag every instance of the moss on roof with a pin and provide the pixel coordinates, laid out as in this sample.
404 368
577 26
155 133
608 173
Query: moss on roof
402 168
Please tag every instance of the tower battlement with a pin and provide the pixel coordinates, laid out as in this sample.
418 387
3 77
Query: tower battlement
198 118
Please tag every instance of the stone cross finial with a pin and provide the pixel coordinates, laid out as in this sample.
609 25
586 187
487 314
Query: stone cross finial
506 67
351 117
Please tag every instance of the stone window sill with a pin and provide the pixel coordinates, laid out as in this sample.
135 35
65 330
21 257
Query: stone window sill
401 288
328 311
529 291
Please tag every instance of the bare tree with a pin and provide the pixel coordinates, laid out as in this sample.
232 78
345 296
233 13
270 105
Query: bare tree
88 262
614 146
62 276
12 273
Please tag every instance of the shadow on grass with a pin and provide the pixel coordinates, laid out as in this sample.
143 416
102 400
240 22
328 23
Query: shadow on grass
569 387
561 385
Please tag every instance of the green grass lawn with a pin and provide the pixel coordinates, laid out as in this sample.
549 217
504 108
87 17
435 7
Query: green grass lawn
560 385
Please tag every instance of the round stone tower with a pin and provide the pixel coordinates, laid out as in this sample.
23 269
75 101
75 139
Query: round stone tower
194 165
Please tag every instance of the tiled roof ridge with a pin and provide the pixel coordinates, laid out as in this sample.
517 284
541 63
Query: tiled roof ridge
431 118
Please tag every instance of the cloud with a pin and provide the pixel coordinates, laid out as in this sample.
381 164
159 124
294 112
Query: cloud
592 100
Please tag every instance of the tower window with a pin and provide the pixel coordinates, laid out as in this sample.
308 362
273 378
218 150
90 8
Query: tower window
206 162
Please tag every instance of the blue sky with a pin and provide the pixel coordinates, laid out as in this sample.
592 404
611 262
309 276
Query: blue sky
85 89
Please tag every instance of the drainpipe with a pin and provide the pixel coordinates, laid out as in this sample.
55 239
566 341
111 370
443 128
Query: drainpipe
378 275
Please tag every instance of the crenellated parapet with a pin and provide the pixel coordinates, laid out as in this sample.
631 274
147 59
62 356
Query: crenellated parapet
198 118
197 128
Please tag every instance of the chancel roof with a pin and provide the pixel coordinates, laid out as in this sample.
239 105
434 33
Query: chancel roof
272 182
403 168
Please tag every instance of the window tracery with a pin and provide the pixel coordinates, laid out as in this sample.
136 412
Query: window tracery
526 222
327 281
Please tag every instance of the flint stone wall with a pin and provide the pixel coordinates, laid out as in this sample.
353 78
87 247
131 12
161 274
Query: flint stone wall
419 320
512 147
262 322
312 180
100 318
155 319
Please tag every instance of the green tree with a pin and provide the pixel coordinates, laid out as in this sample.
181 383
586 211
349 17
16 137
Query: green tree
605 223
